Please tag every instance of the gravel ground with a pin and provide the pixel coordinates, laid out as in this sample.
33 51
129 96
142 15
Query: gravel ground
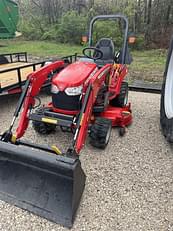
129 185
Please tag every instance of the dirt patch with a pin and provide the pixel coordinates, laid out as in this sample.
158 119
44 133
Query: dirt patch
146 76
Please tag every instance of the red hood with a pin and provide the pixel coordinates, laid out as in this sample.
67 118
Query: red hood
73 75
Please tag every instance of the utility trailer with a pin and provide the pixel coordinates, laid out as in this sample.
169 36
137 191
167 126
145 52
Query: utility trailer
14 69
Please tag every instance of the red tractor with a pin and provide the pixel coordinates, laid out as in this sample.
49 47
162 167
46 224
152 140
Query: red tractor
89 96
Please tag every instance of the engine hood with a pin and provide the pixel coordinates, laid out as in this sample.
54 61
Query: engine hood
73 75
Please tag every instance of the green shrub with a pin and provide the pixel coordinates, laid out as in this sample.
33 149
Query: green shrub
108 29
71 28
31 30
51 33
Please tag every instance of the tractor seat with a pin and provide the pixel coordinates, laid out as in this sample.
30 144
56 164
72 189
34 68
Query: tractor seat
106 45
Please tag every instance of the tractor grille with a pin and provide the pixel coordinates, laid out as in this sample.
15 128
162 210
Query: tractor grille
62 101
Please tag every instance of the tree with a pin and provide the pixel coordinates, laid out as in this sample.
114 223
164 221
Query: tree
152 18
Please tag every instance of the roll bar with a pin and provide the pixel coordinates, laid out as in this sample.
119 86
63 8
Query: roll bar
114 16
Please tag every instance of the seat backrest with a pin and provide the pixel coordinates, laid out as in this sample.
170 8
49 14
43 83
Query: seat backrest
106 45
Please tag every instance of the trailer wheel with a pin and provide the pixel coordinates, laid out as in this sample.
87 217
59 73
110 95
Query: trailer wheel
122 99
166 105
41 127
3 59
100 133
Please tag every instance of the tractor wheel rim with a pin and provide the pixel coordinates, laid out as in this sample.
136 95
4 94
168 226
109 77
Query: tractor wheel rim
168 96
108 135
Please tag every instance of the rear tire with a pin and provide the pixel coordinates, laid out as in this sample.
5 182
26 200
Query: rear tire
122 99
166 105
41 127
100 133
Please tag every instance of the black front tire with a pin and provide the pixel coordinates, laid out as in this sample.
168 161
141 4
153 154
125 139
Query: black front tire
122 99
100 133
166 123
122 131
41 127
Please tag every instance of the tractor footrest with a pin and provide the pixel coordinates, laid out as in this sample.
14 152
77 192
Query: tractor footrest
59 116
53 118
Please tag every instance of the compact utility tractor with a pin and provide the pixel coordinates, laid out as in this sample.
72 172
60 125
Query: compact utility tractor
89 96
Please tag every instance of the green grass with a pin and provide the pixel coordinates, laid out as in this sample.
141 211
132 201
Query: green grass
148 65
38 48
149 60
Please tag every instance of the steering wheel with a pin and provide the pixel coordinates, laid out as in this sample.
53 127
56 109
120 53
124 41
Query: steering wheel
92 53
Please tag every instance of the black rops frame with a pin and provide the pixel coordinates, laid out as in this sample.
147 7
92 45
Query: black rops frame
114 16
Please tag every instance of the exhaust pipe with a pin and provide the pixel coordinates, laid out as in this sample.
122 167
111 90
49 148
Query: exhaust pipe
46 184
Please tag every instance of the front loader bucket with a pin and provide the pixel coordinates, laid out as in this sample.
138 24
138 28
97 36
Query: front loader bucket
48 185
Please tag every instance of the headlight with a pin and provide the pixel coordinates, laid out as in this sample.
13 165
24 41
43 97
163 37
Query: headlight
74 90
54 89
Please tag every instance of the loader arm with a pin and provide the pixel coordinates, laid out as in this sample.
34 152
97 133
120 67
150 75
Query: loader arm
94 86
36 80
